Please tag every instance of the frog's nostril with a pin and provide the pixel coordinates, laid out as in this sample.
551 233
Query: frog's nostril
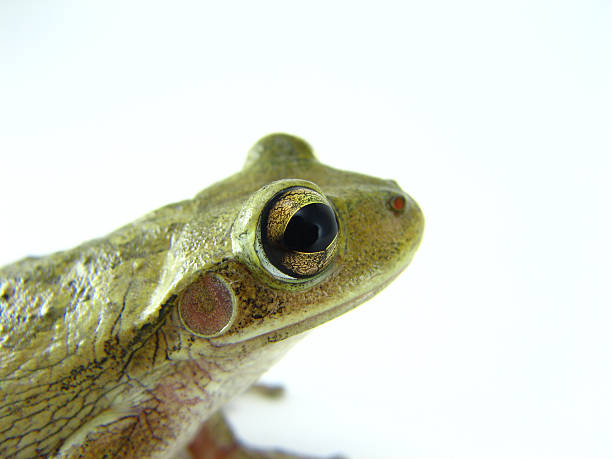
397 203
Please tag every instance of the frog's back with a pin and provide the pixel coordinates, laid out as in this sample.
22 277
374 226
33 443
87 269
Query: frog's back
63 336
59 300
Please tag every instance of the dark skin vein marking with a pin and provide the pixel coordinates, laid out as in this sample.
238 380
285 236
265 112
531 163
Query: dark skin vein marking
92 404
146 421
127 291
131 355
29 415
80 394
89 372
195 363
31 370
53 420
48 437
195 381
166 341
156 348
125 442
122 372
57 381
46 399
53 396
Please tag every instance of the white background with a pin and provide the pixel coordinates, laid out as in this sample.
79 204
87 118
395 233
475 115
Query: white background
495 116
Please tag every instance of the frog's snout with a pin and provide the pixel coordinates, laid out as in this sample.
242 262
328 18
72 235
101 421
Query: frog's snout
417 221
410 219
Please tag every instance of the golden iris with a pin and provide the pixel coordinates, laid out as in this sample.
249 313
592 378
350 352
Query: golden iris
299 232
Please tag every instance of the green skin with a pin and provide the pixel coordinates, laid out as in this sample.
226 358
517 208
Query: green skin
94 356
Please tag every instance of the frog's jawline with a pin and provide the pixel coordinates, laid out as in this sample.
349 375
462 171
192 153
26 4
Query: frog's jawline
311 322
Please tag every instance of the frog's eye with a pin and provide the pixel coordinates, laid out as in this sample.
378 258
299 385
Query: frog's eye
299 232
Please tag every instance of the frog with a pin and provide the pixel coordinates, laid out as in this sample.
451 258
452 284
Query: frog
131 344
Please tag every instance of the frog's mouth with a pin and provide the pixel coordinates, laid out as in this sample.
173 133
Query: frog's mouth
306 324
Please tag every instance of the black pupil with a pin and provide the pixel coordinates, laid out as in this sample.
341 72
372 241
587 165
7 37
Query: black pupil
311 229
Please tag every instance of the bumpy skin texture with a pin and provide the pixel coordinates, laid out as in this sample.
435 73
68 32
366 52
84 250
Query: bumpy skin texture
94 358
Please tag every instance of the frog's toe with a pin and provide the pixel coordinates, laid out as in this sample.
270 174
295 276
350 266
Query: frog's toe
271 391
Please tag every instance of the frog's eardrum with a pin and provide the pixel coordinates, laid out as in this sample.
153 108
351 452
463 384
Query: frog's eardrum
207 306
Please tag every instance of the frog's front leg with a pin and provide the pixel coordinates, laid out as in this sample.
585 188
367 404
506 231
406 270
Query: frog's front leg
215 439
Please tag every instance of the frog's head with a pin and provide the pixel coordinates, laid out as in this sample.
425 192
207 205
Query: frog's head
305 243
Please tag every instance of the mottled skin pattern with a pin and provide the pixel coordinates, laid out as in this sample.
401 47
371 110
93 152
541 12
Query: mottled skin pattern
94 360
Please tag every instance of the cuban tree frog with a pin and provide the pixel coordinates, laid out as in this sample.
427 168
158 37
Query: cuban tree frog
129 345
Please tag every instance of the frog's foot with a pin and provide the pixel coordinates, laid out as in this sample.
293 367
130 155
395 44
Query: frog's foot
215 440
